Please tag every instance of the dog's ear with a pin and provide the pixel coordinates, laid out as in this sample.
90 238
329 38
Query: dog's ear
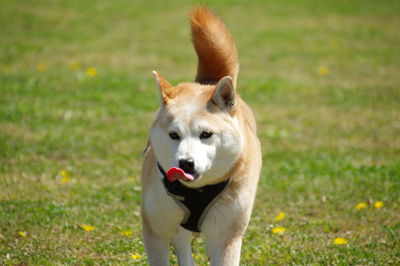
225 95
166 89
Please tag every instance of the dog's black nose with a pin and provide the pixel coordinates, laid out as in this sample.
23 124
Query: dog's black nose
187 165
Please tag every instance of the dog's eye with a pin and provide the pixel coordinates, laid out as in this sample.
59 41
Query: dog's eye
174 135
206 135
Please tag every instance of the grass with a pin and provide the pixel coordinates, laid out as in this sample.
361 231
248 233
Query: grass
329 141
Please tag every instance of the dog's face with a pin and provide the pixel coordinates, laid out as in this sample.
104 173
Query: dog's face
197 132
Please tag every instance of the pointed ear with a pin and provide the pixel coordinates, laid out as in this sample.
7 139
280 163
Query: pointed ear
164 87
225 95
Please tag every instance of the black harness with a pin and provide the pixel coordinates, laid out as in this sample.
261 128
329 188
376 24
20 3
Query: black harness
194 201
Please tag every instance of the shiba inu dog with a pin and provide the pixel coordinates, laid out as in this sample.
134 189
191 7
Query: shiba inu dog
202 162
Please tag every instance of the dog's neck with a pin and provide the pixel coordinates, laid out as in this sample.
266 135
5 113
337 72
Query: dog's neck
195 202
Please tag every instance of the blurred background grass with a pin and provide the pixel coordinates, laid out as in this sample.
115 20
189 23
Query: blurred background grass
321 76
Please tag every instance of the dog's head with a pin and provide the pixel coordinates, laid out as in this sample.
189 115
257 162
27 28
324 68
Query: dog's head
196 129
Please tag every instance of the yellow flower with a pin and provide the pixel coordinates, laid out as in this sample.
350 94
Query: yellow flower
195 256
127 233
65 179
278 230
86 227
280 216
136 256
378 204
340 241
91 72
22 234
323 70
74 65
42 66
361 205
64 173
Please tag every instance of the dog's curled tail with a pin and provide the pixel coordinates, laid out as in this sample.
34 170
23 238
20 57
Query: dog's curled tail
214 45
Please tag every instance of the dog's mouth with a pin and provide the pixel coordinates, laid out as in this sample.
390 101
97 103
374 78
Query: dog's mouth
176 173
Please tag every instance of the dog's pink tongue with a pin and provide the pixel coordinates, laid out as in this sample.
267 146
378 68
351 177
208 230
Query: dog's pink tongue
175 173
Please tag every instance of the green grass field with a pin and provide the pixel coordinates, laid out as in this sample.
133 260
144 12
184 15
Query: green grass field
77 98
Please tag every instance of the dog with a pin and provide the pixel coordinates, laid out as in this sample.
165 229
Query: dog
202 162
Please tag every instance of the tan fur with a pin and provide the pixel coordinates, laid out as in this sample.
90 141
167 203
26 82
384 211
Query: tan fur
215 48
231 212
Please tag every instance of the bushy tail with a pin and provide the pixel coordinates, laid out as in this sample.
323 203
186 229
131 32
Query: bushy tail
214 45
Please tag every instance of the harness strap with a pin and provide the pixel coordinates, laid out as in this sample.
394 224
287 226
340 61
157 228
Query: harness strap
194 201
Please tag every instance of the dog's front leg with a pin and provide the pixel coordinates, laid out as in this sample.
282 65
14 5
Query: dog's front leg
224 252
182 246
157 248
